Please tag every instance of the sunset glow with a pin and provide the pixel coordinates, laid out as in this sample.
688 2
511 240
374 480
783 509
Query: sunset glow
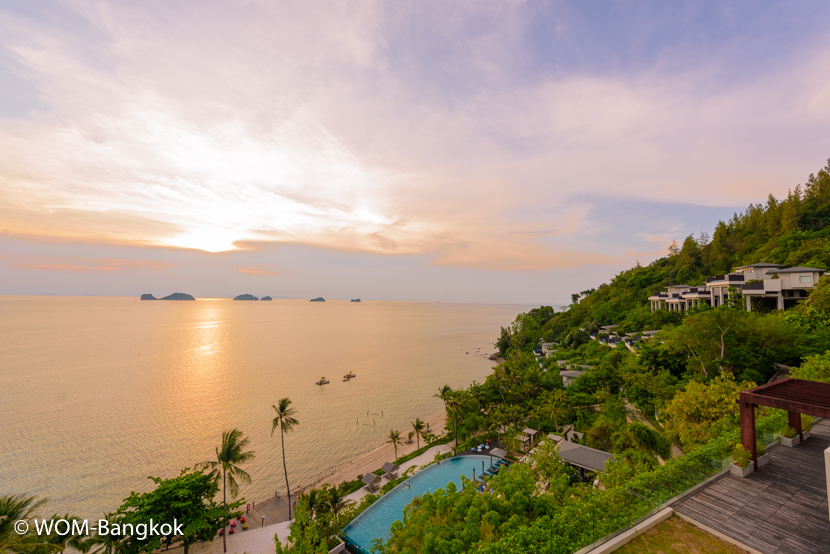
493 137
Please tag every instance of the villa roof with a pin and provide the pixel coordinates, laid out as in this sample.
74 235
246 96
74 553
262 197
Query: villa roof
370 478
762 264
529 431
583 456
554 438
389 467
608 327
801 269
649 333
574 373
498 453
679 287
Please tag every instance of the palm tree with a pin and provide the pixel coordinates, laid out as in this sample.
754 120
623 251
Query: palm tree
395 441
500 379
229 456
336 502
418 428
285 421
14 507
110 543
553 405
61 542
444 394
453 404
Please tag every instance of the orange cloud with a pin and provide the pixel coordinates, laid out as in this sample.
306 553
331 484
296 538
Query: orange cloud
85 265
256 271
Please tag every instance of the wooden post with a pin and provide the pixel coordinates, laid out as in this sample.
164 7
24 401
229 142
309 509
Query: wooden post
748 429
794 421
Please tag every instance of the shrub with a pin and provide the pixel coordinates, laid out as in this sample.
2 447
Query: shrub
788 432
760 448
806 423
741 455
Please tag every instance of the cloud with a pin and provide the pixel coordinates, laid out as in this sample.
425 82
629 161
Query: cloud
85 265
343 127
258 271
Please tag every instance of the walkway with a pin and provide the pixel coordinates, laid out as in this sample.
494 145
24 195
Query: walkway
634 413
779 509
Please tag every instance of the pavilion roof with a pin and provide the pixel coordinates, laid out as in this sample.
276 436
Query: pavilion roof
794 395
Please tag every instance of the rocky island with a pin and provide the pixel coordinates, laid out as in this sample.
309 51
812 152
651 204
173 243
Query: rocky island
178 296
318 299
265 298
148 297
246 297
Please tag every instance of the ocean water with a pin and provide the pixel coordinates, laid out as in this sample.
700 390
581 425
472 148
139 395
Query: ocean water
96 394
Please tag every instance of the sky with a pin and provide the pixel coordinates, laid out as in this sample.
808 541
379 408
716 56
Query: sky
474 151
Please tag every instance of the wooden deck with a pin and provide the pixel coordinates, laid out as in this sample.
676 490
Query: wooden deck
779 509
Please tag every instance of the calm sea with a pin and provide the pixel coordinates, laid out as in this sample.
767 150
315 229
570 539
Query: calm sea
98 393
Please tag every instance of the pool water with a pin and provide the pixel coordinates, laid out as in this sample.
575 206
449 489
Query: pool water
376 521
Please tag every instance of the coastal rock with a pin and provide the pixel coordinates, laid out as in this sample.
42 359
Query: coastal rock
246 297
355 299
265 298
178 296
318 299
148 297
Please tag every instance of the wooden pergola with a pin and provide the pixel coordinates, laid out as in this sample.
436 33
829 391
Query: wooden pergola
797 396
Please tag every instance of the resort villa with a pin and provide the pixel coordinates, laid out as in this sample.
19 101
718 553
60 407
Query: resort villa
784 286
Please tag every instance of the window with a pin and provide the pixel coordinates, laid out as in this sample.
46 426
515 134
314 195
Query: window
806 279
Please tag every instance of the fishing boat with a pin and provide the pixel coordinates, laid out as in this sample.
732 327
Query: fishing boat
349 375
323 381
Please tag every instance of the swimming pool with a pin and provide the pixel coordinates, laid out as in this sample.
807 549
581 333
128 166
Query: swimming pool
376 521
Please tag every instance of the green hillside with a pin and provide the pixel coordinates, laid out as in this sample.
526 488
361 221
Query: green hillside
792 231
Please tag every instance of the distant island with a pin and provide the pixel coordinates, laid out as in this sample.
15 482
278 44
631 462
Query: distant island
355 299
174 296
318 299
246 297
266 298
178 296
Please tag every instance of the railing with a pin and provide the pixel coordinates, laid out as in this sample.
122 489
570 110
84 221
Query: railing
646 495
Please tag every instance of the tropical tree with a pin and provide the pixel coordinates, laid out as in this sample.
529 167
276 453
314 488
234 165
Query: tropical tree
229 456
553 404
286 421
418 428
188 498
444 394
15 507
336 503
109 543
395 441
73 539
453 404
500 379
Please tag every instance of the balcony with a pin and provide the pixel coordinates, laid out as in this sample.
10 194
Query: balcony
728 278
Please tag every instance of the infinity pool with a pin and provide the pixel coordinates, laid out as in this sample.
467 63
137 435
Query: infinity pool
376 521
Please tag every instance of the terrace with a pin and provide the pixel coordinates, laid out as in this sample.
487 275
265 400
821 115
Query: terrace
781 508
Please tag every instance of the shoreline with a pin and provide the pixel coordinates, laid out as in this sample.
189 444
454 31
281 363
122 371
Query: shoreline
368 462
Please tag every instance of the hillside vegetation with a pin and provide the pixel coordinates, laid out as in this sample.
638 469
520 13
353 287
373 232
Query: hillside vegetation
793 231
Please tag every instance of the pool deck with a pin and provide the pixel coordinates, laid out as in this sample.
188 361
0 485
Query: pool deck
421 460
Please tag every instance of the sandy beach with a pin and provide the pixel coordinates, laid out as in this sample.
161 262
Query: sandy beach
374 459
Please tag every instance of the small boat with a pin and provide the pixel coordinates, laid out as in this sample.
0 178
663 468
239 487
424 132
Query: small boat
323 381
350 375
